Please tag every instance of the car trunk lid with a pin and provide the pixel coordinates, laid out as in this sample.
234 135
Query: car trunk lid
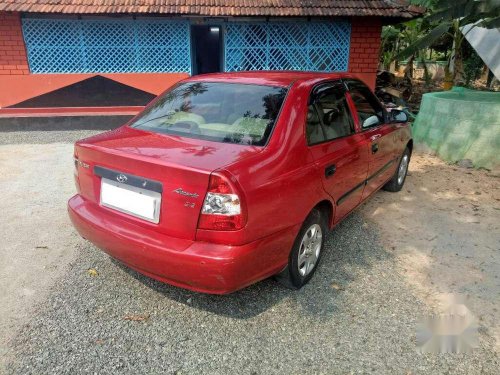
180 165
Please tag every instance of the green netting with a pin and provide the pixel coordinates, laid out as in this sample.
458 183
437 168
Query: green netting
461 124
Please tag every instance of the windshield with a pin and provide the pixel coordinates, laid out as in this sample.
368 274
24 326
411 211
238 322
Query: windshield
222 112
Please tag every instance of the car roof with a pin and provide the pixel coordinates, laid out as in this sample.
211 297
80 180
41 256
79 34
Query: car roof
271 78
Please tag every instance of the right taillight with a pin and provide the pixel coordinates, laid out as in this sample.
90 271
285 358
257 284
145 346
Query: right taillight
222 207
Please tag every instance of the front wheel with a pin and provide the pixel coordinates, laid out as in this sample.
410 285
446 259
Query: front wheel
306 252
398 179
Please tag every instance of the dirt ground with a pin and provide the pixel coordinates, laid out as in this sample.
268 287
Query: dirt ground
442 230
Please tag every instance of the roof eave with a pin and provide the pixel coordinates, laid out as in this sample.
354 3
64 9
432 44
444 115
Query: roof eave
396 12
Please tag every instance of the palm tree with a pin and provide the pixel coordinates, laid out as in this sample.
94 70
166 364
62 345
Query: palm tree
451 16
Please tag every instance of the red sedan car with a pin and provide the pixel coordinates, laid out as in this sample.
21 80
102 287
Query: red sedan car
227 179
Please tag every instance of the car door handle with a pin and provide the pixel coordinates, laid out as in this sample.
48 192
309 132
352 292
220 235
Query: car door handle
375 137
330 170
374 148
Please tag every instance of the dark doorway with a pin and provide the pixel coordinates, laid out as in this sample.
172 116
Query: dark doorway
206 48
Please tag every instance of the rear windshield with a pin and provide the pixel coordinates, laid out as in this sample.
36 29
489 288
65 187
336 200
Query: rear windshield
221 112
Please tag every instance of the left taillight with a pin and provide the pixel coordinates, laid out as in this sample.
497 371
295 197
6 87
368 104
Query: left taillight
223 208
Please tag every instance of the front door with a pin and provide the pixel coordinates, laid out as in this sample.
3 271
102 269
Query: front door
207 50
377 133
339 152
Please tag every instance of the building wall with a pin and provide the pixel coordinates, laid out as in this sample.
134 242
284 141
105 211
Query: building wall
19 85
13 60
22 86
365 46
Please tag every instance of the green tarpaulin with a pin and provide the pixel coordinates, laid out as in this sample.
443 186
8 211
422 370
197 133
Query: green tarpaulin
461 124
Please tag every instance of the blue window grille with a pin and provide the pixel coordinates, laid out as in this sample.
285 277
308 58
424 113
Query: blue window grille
314 46
107 46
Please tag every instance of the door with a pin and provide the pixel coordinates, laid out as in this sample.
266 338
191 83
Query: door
206 42
377 133
340 153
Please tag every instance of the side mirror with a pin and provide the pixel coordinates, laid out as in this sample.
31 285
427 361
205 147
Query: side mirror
371 121
398 116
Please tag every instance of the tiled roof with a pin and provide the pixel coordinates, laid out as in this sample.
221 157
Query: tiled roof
220 8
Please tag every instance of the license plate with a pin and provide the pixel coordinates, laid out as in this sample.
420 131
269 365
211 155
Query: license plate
131 200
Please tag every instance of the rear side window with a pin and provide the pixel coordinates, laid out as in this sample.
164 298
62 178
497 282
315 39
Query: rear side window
370 112
221 112
328 116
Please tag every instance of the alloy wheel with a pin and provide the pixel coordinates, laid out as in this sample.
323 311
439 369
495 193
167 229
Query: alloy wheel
309 250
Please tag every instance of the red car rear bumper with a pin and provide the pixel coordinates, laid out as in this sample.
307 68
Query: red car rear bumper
199 266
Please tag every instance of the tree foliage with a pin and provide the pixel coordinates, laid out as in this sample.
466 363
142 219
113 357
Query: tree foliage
442 29
450 16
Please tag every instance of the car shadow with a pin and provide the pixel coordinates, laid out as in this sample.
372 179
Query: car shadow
352 244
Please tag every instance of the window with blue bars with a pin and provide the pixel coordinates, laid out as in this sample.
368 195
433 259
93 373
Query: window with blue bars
106 45
313 46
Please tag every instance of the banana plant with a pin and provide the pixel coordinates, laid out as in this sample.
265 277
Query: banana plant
450 17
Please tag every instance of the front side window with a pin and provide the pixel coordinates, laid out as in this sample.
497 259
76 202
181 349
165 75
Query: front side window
328 117
370 112
217 111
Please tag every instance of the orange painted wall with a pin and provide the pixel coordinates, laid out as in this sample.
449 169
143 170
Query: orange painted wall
155 83
17 88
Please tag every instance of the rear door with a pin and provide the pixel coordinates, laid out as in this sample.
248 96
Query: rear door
379 135
340 153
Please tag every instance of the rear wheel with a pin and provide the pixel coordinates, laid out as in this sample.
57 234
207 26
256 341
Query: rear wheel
398 179
306 252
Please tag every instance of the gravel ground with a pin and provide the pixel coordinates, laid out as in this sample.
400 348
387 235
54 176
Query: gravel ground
357 315
368 325
37 239
43 137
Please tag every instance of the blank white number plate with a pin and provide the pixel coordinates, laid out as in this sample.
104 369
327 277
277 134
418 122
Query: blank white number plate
131 200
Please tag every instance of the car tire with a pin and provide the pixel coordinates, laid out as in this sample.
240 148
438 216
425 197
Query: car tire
306 252
397 181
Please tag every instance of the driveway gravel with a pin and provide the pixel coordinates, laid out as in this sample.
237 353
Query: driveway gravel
37 241
357 315
39 137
